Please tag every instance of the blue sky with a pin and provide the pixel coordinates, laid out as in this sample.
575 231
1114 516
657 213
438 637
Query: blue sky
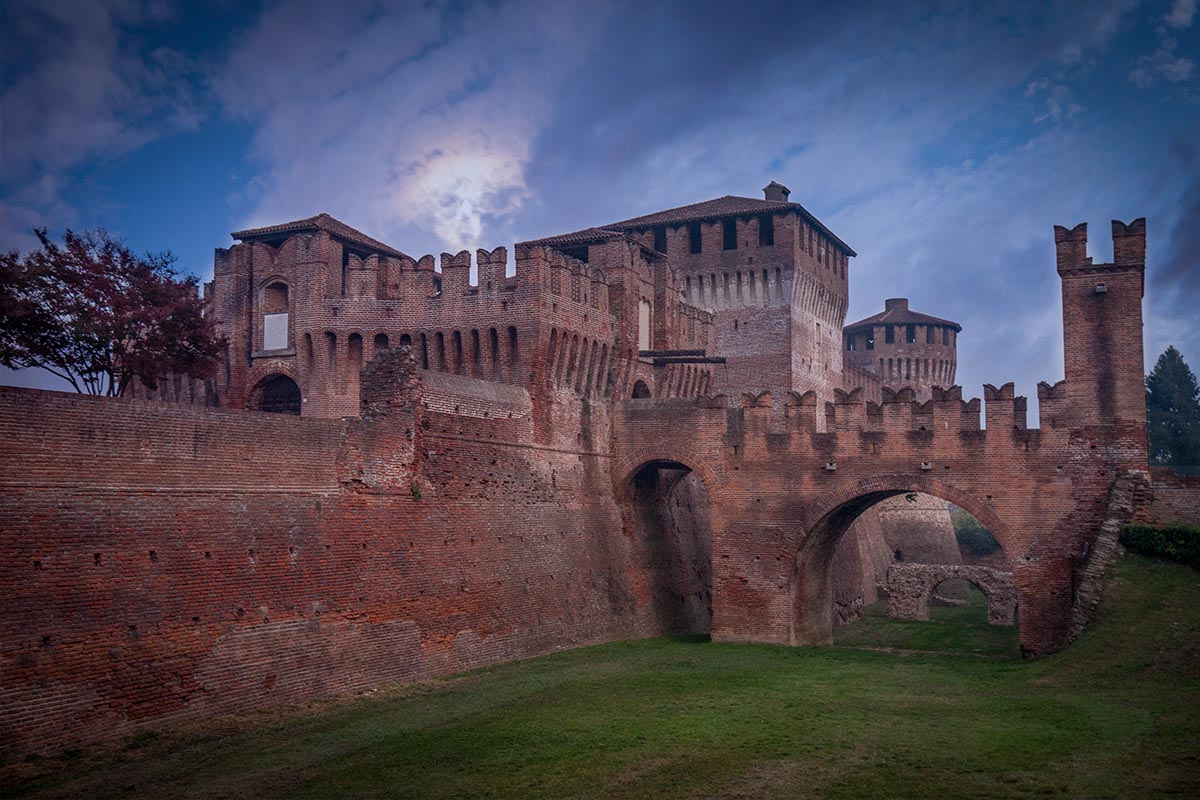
942 140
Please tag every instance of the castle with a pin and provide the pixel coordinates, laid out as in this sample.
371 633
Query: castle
652 426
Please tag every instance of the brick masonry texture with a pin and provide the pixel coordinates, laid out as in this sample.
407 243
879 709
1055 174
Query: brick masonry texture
478 473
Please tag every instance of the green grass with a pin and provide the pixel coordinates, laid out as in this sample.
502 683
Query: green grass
1114 716
950 629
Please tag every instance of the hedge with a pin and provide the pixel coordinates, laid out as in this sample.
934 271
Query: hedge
1173 542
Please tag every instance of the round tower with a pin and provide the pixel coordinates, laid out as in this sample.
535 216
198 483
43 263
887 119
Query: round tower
904 348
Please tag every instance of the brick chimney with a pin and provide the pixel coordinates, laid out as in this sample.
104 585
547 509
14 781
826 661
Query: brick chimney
776 191
896 304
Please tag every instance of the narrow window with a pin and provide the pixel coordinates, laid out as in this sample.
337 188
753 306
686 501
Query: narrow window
475 352
424 352
660 238
440 345
513 355
889 334
766 276
687 290
871 345
766 230
406 341
928 334
694 237
331 348
381 342
494 343
355 361
729 229
910 334
850 342
308 351
945 336
458 353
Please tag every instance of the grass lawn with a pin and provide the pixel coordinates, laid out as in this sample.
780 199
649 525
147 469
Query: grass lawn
1117 715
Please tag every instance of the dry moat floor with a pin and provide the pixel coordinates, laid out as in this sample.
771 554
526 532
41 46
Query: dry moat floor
942 710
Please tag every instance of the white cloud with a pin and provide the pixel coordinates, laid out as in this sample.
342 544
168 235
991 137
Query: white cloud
1181 15
405 122
77 92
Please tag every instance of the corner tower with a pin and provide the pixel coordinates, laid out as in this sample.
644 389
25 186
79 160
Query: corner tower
904 348
1102 328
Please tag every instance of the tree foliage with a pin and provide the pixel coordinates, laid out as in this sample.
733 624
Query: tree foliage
1173 411
97 315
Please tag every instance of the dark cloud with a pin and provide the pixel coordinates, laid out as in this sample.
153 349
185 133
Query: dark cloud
943 140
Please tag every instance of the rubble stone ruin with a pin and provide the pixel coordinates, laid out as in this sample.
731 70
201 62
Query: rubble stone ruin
408 466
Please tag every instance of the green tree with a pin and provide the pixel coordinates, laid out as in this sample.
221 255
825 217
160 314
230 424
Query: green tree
97 315
1173 411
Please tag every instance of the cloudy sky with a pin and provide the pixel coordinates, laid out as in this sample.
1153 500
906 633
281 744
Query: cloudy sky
942 140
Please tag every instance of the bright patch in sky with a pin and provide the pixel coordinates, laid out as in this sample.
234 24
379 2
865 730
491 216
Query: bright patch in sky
942 141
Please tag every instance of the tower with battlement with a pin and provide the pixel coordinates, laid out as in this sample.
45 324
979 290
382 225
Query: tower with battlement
904 348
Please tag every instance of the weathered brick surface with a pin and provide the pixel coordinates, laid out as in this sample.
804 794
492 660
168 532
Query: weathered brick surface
1176 497
910 587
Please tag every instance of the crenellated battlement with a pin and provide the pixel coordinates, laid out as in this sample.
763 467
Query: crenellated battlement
947 414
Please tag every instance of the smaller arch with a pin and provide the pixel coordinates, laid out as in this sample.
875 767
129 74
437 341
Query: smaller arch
640 390
276 394
910 587
381 342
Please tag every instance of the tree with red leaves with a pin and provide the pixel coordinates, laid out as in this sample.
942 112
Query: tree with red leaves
97 315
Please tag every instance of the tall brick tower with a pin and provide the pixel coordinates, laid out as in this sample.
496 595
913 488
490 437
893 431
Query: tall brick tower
904 348
1102 332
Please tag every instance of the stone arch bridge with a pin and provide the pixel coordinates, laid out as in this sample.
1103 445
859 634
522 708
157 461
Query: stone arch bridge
784 489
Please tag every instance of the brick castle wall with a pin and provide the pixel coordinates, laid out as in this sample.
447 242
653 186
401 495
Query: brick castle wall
163 562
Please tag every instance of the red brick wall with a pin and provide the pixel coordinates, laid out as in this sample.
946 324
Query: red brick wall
161 562
1176 497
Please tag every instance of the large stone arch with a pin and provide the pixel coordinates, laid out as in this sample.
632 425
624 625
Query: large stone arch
663 521
829 516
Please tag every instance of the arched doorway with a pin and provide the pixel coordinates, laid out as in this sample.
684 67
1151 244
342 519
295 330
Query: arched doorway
666 517
640 390
276 394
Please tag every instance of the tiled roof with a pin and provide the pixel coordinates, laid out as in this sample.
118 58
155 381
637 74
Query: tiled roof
727 206
902 316
321 222
585 236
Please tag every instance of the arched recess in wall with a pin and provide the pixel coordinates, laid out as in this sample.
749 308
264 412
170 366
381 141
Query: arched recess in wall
835 513
666 517
276 394
274 304
640 390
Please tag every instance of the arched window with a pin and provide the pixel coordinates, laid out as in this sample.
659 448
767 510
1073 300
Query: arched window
640 390
274 305
381 342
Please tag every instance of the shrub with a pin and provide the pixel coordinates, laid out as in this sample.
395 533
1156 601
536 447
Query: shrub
1173 542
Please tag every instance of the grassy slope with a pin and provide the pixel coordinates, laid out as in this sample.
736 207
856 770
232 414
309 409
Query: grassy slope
1113 716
